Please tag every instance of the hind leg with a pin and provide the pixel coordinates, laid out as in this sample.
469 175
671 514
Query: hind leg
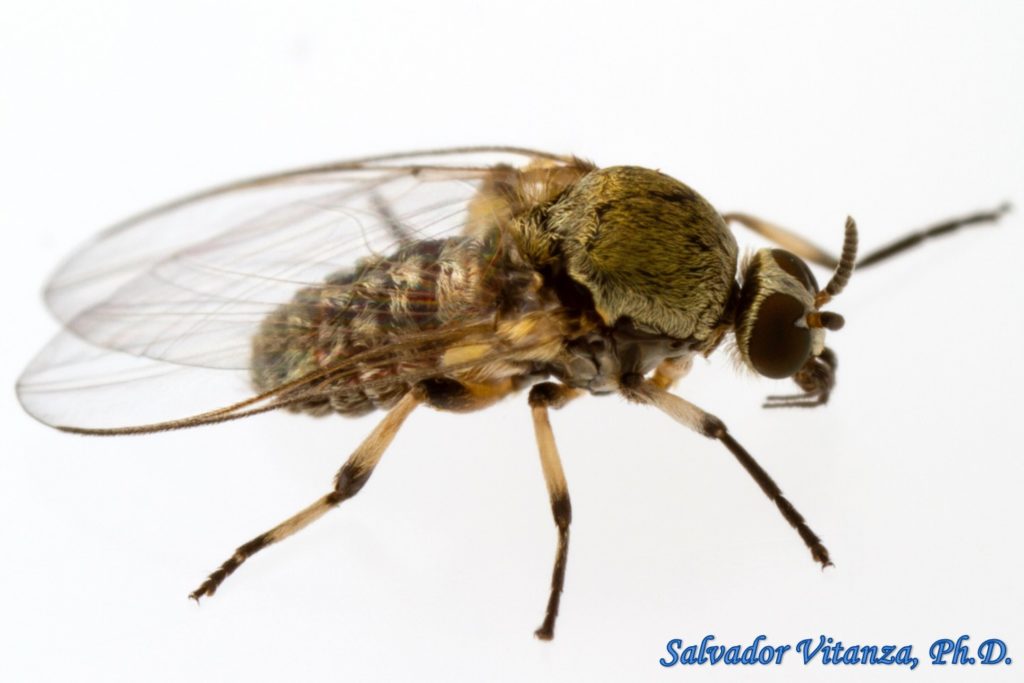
347 483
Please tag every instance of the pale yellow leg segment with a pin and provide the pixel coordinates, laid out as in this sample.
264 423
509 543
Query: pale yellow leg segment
786 239
543 396
349 480
671 371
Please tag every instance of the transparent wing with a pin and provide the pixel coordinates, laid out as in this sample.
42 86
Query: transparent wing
160 311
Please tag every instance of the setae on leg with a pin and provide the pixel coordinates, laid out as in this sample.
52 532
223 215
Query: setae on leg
636 388
349 480
544 396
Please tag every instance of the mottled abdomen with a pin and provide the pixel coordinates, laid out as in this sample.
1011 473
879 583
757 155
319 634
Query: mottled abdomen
382 301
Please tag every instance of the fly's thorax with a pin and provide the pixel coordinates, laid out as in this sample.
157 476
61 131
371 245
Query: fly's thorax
507 194
597 359
778 327
640 246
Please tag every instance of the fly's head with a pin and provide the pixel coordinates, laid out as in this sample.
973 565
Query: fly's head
780 325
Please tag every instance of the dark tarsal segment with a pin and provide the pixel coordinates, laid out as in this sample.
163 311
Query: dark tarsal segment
638 389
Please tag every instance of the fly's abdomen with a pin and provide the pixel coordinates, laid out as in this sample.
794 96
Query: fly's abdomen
382 302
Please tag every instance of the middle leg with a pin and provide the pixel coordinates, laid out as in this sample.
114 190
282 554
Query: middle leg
543 396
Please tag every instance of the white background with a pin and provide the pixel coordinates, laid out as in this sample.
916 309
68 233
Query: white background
899 114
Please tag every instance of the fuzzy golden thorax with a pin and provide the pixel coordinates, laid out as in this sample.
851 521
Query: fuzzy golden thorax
647 248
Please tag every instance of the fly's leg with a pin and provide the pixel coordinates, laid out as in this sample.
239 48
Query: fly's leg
634 387
347 483
811 252
671 371
786 239
398 231
817 378
452 395
915 238
543 396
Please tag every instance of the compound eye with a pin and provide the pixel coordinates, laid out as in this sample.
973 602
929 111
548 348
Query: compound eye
777 347
795 266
